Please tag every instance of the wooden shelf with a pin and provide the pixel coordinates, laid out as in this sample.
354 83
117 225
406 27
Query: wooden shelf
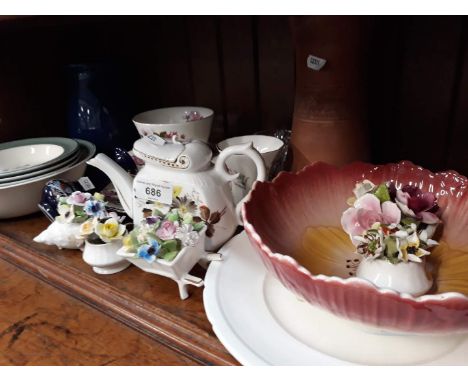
145 302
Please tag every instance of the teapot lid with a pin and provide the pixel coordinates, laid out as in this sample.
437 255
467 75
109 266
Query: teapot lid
172 153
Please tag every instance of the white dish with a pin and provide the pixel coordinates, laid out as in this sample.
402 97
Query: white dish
262 323
26 155
43 171
171 119
22 197
266 145
16 158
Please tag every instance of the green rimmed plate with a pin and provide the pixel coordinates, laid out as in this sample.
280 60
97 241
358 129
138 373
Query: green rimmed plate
66 162
29 155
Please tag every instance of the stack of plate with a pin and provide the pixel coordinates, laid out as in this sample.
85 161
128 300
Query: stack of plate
27 164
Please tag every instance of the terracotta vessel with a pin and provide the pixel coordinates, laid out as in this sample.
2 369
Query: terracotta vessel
329 121
294 224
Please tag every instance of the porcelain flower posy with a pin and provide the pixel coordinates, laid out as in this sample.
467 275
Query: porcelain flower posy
162 235
80 206
98 225
82 216
384 222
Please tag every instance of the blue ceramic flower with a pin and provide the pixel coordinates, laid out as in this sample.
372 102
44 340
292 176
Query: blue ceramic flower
153 220
149 251
95 208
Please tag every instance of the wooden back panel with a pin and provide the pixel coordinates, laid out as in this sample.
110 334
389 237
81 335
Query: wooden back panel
243 68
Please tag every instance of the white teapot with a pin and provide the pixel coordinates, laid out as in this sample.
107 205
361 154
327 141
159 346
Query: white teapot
181 175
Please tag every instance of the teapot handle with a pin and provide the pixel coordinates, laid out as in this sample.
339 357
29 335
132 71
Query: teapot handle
244 149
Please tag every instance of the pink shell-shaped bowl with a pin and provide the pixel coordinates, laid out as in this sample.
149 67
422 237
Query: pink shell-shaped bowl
294 224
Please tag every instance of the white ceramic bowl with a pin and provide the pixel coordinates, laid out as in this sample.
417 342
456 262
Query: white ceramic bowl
33 174
267 146
31 154
22 197
172 119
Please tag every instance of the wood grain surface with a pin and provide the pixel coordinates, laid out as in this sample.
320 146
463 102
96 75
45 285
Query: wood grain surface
39 325
145 302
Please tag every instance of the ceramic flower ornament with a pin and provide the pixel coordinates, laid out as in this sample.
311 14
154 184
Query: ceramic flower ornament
81 217
162 235
167 230
149 251
396 225
187 235
87 228
415 203
95 208
110 230
66 213
78 198
390 226
368 210
97 224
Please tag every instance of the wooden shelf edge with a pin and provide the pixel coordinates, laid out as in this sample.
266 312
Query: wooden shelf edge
140 315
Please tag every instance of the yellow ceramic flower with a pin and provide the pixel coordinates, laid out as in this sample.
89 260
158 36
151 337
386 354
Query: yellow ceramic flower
176 190
410 250
110 230
87 228
127 242
98 196
163 208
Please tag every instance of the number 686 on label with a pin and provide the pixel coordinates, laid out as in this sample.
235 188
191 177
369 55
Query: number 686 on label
155 191
152 191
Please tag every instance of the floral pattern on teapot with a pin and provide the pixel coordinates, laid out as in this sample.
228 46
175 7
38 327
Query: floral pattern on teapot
189 205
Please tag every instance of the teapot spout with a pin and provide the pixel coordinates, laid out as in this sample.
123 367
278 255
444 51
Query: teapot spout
121 179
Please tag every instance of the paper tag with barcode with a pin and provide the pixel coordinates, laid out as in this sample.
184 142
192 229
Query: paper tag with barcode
86 183
155 191
315 63
155 139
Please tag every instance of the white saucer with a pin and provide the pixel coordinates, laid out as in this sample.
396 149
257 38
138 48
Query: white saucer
262 323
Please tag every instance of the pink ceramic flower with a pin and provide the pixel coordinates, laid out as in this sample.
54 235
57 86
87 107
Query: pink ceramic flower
167 230
421 205
367 211
78 198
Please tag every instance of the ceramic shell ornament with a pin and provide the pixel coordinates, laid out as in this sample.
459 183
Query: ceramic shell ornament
63 235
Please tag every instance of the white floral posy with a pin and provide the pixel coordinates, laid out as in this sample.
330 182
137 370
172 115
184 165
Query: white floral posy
187 235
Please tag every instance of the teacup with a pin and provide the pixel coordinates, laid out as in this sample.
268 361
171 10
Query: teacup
267 146
186 122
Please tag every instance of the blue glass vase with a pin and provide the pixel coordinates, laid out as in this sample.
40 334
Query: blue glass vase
96 110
